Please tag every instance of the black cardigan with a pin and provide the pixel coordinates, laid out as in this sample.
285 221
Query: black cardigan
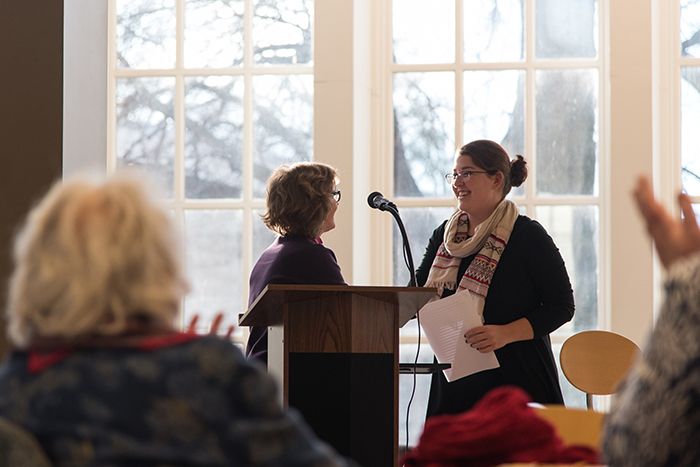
531 282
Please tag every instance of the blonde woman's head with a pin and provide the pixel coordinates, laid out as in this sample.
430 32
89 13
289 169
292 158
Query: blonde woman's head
90 257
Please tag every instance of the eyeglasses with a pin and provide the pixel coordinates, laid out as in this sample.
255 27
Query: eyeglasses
465 176
336 196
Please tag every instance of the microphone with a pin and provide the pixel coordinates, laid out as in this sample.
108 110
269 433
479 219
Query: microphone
377 201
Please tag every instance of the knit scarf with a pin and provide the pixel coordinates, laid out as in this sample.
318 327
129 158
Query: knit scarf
489 240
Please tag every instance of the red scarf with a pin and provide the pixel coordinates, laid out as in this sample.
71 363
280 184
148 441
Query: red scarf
500 429
46 352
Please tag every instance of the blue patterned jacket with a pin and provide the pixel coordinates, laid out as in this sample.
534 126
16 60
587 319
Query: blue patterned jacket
180 401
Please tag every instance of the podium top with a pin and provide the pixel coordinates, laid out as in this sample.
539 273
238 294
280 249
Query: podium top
268 308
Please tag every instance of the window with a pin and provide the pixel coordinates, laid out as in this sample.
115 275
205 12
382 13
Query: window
687 64
210 97
612 277
527 74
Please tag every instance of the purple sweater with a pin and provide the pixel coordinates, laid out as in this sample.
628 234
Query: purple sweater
289 260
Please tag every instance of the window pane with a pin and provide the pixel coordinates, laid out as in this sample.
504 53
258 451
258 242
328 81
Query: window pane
214 268
424 34
145 130
575 232
566 29
213 33
690 26
494 108
690 137
145 33
283 32
493 31
567 132
262 236
213 137
282 124
419 224
424 138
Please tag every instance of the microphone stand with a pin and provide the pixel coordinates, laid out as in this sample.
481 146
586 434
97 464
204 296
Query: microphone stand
406 246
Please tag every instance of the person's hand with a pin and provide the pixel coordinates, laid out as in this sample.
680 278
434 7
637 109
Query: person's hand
674 238
487 338
215 325
491 337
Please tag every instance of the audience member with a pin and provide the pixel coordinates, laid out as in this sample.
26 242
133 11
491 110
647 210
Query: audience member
99 374
654 420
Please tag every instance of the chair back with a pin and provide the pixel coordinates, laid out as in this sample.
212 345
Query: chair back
19 448
575 426
595 362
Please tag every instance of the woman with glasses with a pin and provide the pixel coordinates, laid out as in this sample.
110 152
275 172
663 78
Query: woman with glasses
302 200
513 270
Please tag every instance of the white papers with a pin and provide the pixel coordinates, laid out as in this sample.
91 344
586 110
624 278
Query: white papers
445 321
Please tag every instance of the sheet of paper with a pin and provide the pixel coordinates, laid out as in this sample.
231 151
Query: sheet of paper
445 321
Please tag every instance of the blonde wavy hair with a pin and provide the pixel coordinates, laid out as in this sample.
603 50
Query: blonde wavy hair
90 256
299 198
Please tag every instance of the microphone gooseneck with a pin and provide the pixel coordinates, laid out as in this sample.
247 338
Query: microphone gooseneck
377 201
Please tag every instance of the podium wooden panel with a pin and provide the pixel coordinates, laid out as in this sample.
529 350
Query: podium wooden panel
334 352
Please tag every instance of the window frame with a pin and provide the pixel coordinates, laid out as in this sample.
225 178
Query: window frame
530 201
248 203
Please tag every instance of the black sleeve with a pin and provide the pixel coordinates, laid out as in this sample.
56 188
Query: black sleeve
429 254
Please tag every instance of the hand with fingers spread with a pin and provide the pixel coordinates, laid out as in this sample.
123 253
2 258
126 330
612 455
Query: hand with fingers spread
674 238
215 325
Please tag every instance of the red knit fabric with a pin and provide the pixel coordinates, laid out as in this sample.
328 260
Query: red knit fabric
501 428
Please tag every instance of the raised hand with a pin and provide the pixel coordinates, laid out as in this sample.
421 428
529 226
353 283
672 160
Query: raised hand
215 325
674 238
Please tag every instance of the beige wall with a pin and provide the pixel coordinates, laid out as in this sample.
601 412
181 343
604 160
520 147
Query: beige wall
31 109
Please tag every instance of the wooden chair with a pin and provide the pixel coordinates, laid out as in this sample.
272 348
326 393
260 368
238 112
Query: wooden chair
595 362
575 426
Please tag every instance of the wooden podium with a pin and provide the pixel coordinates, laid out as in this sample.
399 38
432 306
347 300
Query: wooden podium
334 352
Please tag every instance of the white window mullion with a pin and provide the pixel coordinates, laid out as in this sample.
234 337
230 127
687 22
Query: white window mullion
459 74
248 149
530 109
604 244
179 96
111 87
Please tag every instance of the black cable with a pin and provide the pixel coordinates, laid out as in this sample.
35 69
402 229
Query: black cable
408 259
415 382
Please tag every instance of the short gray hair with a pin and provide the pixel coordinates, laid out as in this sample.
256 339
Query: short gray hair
90 256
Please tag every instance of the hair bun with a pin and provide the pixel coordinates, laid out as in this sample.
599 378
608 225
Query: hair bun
518 170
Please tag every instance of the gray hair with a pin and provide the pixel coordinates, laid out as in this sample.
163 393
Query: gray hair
90 256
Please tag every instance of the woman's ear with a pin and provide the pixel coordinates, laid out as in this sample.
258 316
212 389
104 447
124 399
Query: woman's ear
498 180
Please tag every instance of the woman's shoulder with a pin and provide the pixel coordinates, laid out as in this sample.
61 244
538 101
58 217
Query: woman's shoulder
529 237
525 226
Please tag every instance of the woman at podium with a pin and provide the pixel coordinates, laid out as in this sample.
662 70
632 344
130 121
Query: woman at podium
512 268
302 199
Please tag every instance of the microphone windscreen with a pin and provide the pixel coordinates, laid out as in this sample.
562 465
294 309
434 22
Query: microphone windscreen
371 197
